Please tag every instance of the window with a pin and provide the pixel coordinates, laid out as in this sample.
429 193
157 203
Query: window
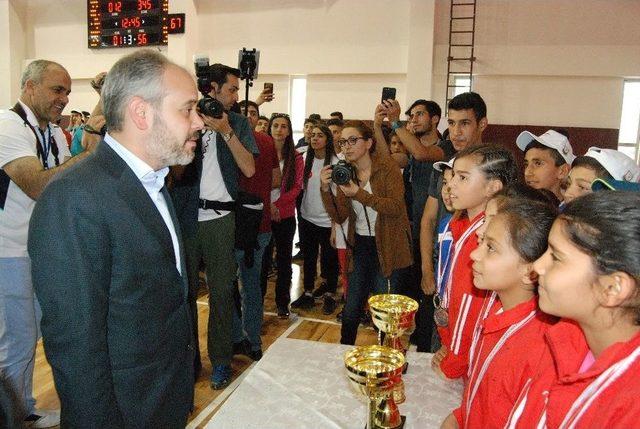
628 139
298 105
462 84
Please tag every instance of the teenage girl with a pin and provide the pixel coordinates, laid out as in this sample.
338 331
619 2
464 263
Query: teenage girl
315 225
379 237
508 344
283 206
478 173
590 278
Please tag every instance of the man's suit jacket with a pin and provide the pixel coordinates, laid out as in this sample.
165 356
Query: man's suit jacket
116 323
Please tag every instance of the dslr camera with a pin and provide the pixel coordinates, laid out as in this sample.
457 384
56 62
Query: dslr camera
342 172
207 105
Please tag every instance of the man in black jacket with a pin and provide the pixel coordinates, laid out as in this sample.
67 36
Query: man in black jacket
108 262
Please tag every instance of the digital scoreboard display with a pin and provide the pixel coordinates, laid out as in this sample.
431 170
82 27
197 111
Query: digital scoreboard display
127 23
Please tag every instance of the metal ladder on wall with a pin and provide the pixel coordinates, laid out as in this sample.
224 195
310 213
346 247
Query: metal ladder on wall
462 26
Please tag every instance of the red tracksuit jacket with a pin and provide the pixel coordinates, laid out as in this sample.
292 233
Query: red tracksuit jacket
607 395
465 300
509 349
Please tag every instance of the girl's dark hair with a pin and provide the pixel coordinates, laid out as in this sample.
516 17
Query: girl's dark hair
288 152
606 226
494 161
329 152
524 191
528 224
593 165
363 129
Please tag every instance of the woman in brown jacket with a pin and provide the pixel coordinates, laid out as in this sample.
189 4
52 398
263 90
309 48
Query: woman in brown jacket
379 237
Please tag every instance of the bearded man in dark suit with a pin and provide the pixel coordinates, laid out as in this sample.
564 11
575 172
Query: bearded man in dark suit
108 262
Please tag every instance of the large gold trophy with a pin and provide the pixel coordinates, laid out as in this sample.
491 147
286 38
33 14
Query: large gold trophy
394 315
374 371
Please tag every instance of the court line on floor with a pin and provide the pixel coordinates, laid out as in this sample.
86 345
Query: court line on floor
234 385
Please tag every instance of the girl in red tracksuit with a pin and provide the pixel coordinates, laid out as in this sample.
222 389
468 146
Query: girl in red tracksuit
589 276
478 173
508 343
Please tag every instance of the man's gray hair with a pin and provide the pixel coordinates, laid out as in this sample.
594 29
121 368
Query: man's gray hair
35 70
136 75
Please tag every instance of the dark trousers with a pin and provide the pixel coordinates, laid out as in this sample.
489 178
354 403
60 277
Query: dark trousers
214 245
366 278
283 233
318 237
425 325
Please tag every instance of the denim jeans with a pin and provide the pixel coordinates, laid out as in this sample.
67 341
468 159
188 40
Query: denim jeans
366 278
19 328
318 237
248 324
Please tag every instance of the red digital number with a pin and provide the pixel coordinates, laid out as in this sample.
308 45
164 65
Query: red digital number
142 39
114 6
144 5
116 40
131 22
175 23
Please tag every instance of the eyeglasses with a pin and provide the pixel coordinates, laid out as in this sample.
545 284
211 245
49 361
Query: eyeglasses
351 141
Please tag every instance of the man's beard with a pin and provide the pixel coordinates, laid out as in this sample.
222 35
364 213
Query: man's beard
166 148
427 129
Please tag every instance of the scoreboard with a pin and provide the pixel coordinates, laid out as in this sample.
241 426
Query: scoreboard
128 23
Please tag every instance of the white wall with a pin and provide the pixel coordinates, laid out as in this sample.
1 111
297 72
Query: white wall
549 62
558 62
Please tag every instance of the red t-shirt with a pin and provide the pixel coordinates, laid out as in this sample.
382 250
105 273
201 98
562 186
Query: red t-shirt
465 300
506 354
560 396
260 183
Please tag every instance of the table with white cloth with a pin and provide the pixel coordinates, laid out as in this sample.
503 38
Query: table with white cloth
303 384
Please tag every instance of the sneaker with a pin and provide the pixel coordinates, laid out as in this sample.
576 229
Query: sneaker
255 355
283 312
329 305
43 419
221 376
305 301
242 347
320 290
298 256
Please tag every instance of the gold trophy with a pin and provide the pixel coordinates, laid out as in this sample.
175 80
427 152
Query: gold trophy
394 315
374 371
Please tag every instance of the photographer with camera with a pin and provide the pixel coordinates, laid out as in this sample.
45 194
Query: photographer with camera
370 193
204 197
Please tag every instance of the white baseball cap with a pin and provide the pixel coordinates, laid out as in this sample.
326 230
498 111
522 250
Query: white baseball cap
440 165
551 139
619 165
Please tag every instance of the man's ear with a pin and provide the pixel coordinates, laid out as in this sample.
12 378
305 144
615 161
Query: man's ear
482 124
139 112
563 171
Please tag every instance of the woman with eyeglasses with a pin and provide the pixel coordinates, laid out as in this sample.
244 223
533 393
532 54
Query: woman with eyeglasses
283 207
379 237
315 225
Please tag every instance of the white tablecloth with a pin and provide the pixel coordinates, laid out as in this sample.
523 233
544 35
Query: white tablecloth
303 384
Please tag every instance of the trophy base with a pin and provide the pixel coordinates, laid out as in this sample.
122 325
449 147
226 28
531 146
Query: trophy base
401 426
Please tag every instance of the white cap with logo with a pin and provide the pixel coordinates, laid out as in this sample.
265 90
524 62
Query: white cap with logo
619 165
551 139
441 165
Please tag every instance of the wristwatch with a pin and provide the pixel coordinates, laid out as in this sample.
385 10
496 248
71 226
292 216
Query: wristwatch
227 136
395 125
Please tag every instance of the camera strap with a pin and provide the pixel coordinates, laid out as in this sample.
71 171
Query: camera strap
42 147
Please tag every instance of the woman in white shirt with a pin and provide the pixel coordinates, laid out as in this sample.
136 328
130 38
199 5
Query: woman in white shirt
315 225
